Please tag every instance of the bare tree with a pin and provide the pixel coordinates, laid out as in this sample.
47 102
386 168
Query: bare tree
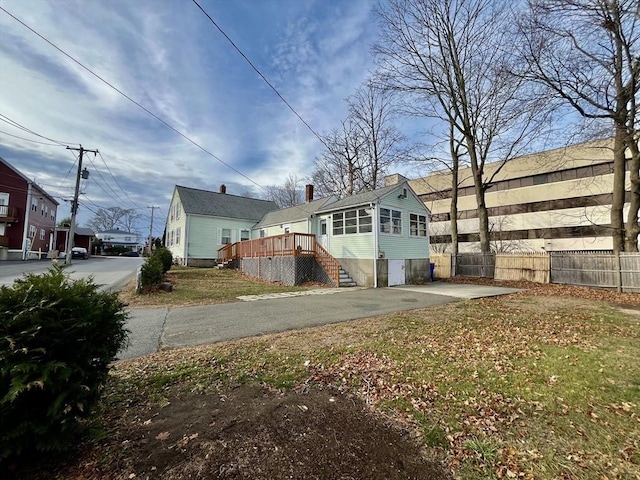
453 59
339 169
115 217
289 194
372 111
588 53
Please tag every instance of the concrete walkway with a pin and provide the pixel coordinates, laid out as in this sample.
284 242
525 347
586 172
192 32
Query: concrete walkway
158 328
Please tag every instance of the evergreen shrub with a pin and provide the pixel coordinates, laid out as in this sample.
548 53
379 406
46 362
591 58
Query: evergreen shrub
57 339
151 272
165 257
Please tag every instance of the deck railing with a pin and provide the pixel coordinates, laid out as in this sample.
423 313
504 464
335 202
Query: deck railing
285 245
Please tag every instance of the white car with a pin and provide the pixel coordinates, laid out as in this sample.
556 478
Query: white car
79 252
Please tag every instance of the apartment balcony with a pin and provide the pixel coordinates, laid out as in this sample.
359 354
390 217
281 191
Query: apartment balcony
8 214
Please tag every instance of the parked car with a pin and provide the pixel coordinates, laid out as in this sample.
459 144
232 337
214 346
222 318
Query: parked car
79 252
130 254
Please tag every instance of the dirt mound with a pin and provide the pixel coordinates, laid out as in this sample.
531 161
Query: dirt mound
249 432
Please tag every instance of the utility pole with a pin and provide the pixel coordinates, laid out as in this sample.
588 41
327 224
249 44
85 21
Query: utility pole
151 228
74 205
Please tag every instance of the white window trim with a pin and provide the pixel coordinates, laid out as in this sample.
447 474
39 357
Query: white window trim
358 224
391 210
426 223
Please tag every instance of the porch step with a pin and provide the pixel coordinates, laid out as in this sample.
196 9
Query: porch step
346 280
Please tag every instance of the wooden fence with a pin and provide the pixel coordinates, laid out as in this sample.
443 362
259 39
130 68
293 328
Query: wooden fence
597 269
533 267
592 269
475 264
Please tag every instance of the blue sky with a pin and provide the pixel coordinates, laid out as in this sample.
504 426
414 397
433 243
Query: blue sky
166 55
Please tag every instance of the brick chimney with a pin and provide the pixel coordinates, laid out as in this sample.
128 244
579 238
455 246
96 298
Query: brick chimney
223 188
308 193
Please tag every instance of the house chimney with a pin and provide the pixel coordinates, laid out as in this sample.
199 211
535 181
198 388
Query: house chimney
308 193
223 188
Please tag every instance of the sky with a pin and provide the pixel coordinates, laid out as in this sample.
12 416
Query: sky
167 56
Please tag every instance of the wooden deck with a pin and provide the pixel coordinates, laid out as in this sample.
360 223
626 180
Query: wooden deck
286 245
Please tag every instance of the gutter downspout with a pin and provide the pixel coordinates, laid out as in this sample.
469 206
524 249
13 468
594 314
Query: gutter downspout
186 241
27 212
375 243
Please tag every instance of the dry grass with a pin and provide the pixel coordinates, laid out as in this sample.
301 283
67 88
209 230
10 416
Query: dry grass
203 286
527 386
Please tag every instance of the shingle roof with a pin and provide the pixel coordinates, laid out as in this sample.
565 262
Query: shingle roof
292 214
84 231
115 230
361 198
204 202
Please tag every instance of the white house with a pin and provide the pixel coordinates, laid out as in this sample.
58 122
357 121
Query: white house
380 237
116 237
200 222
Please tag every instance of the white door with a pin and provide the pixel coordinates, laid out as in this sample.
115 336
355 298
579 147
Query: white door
322 232
396 272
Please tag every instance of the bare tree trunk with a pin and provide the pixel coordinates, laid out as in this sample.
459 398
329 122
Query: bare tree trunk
617 202
633 225
455 167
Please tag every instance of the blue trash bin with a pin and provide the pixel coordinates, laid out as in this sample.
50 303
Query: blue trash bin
432 268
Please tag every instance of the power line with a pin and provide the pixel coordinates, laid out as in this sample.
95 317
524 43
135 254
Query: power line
261 74
27 140
17 125
165 123
115 179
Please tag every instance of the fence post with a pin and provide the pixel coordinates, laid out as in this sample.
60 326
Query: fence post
618 272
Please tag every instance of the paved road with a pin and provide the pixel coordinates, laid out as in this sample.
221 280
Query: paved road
154 329
111 273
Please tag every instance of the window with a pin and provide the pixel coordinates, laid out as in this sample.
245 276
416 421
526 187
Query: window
178 236
53 213
178 211
225 236
127 239
352 221
263 233
46 211
390 221
34 205
42 209
540 179
417 225
286 228
41 234
245 234
32 231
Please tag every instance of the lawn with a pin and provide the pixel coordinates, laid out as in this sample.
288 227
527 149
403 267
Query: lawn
538 385
202 286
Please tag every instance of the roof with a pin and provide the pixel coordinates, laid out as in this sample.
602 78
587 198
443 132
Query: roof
213 204
87 232
292 214
26 179
583 154
362 198
115 230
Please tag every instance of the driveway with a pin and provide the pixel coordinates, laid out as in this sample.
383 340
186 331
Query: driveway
155 329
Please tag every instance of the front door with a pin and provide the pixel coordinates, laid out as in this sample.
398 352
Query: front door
396 272
322 232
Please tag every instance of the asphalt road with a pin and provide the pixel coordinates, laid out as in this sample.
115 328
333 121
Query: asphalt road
111 273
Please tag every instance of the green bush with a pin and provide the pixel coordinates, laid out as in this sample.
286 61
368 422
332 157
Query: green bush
57 339
165 257
151 272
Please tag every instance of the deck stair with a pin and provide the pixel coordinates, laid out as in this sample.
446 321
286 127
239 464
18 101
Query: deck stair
346 280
